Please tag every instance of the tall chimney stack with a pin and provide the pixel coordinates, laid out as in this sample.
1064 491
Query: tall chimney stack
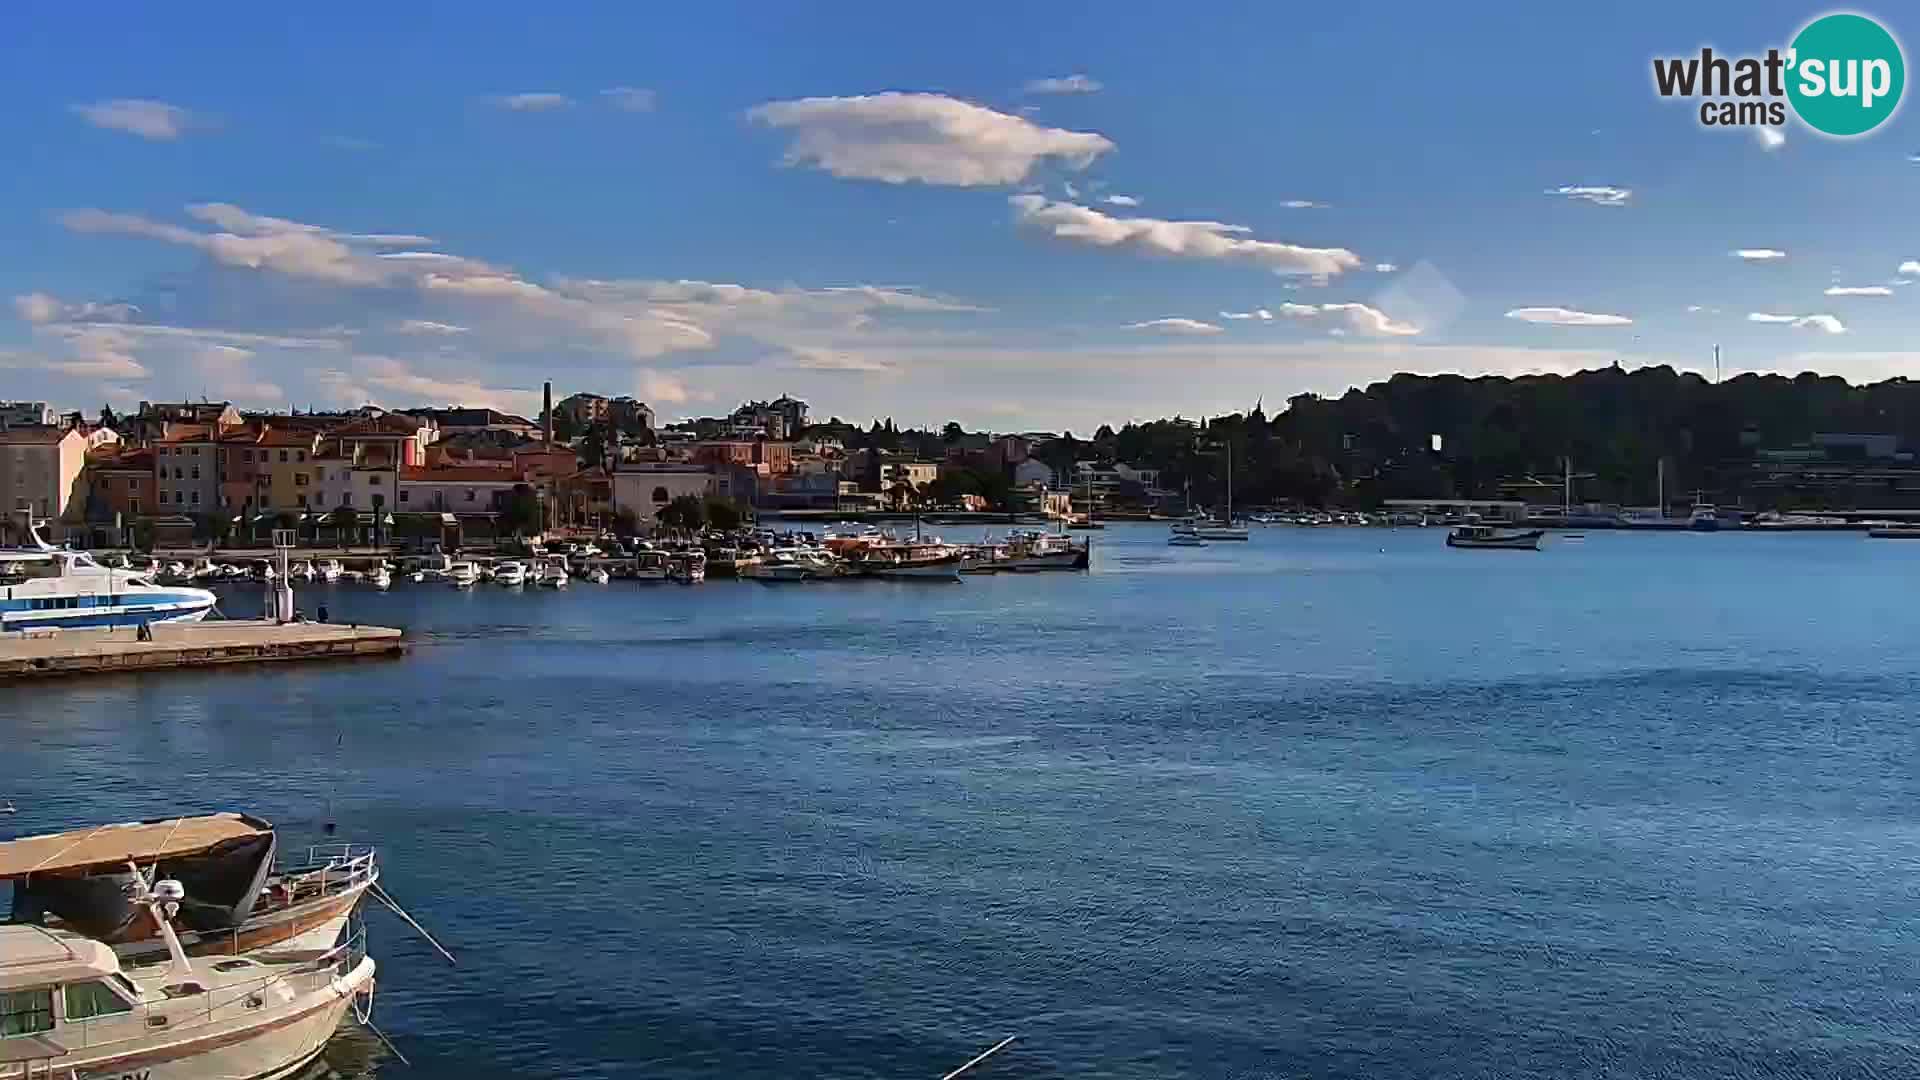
546 414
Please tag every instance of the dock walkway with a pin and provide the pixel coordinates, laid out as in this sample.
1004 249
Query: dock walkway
187 645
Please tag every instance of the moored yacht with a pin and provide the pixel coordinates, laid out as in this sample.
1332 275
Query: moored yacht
330 570
49 588
463 574
74 1010
511 573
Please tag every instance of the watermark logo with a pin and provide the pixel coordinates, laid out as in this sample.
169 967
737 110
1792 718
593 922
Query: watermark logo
1842 76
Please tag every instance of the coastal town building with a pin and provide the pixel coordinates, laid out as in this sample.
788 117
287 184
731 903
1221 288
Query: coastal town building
155 421
27 414
455 420
186 469
41 474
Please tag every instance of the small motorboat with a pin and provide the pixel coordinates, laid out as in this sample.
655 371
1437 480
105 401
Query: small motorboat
303 570
598 576
511 574
553 575
463 575
1186 540
1494 538
382 578
330 570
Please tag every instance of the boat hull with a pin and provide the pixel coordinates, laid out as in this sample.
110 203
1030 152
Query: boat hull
1524 542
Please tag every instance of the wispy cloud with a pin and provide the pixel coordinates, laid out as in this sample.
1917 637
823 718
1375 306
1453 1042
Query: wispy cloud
1559 316
1826 323
1758 254
1214 240
630 98
1303 204
1367 321
1858 290
898 138
1910 268
1769 138
39 308
428 326
1384 268
1176 326
539 101
147 119
1598 194
1262 314
808 358
1070 84
1121 200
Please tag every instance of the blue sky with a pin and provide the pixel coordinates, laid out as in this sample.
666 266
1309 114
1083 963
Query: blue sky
997 216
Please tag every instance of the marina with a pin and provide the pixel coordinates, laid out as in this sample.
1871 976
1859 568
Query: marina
49 654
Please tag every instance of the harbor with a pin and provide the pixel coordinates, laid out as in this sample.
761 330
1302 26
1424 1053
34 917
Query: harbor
50 654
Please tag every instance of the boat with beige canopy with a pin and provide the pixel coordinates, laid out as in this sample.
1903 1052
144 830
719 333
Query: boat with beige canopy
237 901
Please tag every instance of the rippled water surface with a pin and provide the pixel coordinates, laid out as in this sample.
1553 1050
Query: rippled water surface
1334 803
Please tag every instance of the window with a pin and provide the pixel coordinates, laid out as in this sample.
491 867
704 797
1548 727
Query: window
660 495
26 1012
373 478
346 497
179 473
196 451
299 479
319 474
196 498
303 499
404 493
196 472
469 494
90 999
299 455
133 505
283 457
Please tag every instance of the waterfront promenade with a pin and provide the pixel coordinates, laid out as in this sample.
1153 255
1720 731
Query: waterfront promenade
187 645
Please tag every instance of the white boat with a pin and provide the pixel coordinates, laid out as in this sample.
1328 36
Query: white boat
463 575
73 1010
1494 538
1186 539
511 574
382 578
552 573
303 570
1031 551
330 570
598 576
46 588
687 567
783 566
1704 517
650 566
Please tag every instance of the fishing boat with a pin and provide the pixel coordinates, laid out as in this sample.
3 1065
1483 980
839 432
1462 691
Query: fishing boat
512 574
1494 538
74 1009
240 901
44 588
463 575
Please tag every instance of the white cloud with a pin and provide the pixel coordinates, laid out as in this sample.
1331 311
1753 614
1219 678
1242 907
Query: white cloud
657 387
1384 268
1770 138
225 372
1599 195
1186 239
1071 84
1121 200
1361 319
298 252
808 358
630 98
1827 323
1858 290
1262 314
1559 316
1072 192
428 326
1758 254
1910 268
1303 204
412 387
1176 326
899 137
533 102
147 119
81 352
39 307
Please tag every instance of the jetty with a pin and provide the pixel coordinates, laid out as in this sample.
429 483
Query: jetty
47 654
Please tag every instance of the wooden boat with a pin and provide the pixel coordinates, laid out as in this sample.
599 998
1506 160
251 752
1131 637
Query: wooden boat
1495 538
237 901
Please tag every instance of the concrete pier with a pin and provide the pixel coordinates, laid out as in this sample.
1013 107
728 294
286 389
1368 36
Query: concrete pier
43 654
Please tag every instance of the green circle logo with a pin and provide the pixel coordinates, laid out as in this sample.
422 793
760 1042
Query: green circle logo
1845 74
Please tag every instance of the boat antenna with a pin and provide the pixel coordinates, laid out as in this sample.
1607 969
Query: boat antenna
162 898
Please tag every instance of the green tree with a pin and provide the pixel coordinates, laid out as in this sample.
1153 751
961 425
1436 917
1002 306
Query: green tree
143 536
520 511
687 512
723 514
626 522
952 432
